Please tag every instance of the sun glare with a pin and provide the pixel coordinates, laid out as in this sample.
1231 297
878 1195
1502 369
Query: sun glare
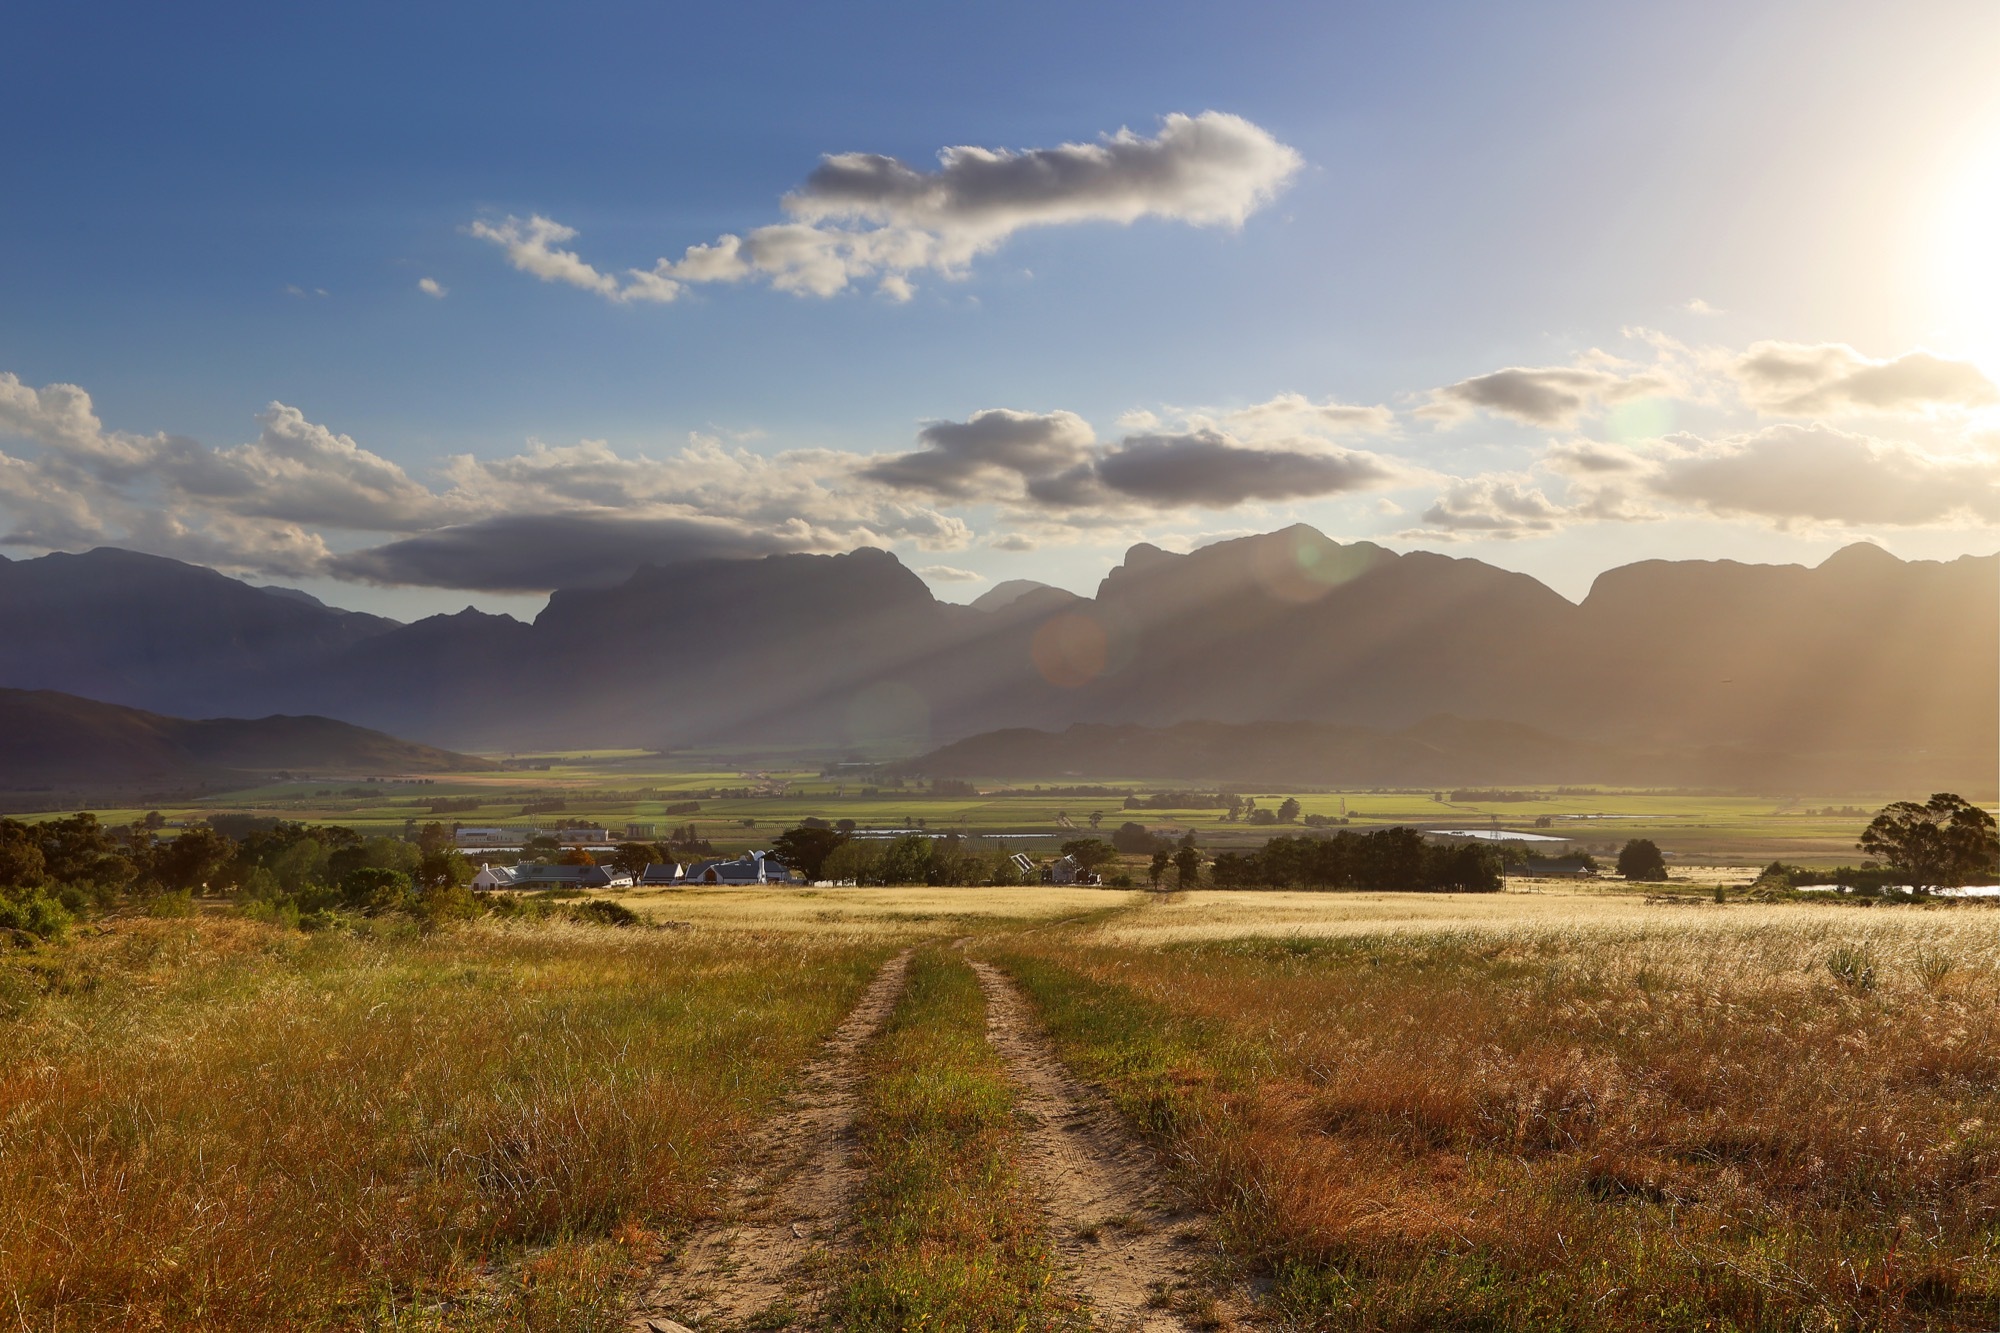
1965 256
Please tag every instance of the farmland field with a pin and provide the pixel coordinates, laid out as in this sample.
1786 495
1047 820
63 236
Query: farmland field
742 808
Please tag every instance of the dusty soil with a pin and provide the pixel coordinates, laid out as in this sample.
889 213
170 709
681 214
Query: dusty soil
1133 1252
786 1206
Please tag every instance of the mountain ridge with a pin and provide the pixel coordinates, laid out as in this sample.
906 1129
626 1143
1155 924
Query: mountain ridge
1861 652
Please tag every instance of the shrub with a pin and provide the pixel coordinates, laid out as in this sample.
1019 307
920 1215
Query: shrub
33 913
604 912
177 903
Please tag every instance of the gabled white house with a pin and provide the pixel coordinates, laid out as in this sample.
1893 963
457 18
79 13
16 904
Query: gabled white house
493 877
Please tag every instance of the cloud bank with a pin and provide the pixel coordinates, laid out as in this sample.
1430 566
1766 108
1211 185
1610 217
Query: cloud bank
300 499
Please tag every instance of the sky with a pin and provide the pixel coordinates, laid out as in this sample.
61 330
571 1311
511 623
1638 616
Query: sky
422 307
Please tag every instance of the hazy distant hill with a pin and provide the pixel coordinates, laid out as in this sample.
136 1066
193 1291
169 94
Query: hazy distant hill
1866 664
49 739
1437 752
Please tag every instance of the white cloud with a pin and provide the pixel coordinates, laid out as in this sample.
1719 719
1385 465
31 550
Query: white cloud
1497 506
949 574
1291 414
432 287
531 247
1816 474
1832 380
863 217
1696 306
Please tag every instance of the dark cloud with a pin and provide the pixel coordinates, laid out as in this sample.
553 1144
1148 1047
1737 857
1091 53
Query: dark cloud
1210 470
963 458
541 552
1545 395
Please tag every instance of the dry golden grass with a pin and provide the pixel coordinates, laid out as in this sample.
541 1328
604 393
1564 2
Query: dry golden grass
1566 1113
1549 907
222 1125
898 912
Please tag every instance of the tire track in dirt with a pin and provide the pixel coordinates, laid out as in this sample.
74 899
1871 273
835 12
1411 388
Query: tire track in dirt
787 1204
1131 1250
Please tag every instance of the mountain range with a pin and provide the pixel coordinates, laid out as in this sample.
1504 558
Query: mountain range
1863 664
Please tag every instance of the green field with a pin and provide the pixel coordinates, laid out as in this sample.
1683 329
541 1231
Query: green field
743 808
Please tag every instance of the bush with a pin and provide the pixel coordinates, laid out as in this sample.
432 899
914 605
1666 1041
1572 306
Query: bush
33 913
441 903
178 903
604 912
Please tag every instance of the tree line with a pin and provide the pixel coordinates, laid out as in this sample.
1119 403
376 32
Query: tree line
1399 859
59 871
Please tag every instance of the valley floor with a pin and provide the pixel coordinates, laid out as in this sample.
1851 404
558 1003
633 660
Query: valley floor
1013 1109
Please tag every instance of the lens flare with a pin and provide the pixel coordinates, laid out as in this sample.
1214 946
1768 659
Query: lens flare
1070 650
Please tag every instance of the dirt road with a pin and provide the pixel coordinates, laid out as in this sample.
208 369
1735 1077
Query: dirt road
1132 1253
786 1206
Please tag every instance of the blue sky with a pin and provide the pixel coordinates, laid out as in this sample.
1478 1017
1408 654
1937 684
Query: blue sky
215 209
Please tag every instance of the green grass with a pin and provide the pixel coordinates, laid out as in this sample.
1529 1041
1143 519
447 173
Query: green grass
948 1237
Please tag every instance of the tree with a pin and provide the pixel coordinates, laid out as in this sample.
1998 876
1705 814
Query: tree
1132 836
907 861
1096 818
444 869
1187 863
1288 813
634 857
1157 871
1090 853
576 856
1641 860
376 890
21 863
805 849
1941 843
191 861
